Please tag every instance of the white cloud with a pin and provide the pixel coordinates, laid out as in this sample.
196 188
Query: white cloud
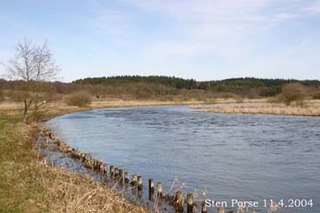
224 17
207 25
223 29
111 22
313 7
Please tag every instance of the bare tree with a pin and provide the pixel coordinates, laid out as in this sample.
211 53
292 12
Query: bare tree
33 65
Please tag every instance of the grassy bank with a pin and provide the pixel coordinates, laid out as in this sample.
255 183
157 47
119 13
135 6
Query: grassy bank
310 108
29 185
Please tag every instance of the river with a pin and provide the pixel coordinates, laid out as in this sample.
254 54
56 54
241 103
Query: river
231 156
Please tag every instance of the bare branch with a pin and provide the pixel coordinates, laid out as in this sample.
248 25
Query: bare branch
32 63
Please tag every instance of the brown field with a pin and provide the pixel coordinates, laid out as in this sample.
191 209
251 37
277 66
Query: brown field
309 108
55 108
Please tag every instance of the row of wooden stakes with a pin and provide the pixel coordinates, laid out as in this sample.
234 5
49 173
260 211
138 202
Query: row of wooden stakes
122 177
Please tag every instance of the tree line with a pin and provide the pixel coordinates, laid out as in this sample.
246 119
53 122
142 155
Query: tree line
263 87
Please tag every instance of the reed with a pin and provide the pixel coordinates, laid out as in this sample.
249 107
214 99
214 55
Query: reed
311 108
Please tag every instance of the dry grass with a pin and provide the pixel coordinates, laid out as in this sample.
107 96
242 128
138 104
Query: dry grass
80 99
60 107
29 185
310 108
78 193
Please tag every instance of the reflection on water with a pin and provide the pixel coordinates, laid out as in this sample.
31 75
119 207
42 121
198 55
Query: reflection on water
246 157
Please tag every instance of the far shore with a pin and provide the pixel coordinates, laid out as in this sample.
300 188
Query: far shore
308 108
56 108
223 105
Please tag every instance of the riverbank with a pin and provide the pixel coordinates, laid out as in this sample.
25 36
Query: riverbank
28 184
309 108
60 107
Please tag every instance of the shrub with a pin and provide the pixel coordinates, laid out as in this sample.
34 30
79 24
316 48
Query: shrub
1 95
293 93
18 95
79 99
316 95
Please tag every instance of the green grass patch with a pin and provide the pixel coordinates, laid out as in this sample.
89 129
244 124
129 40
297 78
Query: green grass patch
19 188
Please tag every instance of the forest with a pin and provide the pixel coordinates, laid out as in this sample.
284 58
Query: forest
161 88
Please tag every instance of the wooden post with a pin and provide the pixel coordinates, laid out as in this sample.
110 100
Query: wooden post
178 201
98 165
159 189
95 164
121 175
220 209
111 170
151 190
126 177
203 207
190 202
103 169
140 187
134 180
116 173
139 183
83 157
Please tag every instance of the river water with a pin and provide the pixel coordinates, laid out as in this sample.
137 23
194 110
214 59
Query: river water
231 156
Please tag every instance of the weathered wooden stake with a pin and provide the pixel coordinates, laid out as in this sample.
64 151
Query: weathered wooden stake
190 202
103 169
159 189
121 175
94 165
220 209
116 173
203 207
134 180
151 185
178 201
139 183
126 177
151 189
111 170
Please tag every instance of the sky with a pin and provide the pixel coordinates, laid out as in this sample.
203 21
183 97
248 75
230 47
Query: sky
198 39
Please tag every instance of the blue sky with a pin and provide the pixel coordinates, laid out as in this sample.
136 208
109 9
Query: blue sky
203 40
